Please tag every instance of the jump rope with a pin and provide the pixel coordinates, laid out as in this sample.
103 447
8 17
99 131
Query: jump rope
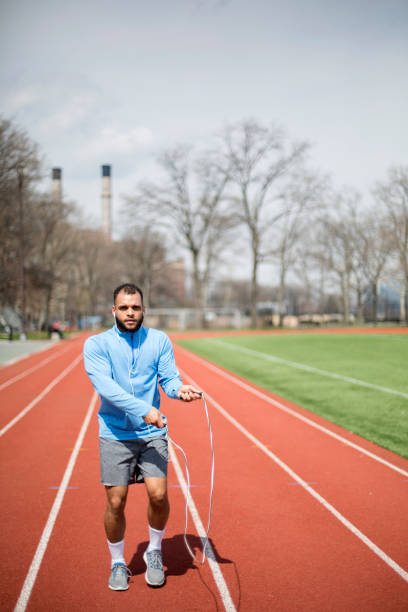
132 367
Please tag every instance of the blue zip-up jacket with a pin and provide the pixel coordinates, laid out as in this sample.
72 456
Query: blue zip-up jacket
125 369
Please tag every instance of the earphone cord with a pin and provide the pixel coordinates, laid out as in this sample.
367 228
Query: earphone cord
131 367
187 493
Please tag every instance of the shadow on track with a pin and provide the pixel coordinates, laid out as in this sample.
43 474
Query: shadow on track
178 561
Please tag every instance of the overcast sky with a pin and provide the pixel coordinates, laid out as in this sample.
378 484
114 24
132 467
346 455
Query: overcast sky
97 82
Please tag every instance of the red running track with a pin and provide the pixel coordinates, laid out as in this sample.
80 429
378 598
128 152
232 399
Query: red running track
302 520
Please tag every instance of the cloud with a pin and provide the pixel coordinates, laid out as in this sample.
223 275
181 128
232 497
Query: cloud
21 99
69 115
116 141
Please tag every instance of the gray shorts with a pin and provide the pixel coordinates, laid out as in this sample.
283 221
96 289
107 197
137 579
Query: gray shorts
124 462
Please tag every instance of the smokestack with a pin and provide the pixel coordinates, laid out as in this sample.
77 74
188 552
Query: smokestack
106 201
56 185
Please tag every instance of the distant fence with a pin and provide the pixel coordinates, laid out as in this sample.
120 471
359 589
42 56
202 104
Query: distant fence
231 318
189 318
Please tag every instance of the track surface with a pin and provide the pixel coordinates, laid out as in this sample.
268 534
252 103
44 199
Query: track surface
301 520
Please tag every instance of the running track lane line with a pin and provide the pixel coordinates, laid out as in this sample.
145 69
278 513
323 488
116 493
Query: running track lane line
292 412
301 366
52 517
32 369
359 534
41 395
214 566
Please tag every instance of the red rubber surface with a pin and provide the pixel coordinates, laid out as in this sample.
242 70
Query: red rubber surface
278 548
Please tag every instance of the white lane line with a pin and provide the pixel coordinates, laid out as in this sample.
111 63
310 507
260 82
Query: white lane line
46 534
10 381
41 395
212 561
293 413
359 534
302 366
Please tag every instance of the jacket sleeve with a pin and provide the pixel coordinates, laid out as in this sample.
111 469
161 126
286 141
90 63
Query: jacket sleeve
169 376
98 368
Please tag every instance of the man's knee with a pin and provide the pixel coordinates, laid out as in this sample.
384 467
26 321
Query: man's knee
158 499
158 496
116 500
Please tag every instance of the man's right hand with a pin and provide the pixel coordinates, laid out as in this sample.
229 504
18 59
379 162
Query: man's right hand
153 417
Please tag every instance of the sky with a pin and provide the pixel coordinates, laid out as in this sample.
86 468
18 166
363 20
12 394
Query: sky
99 82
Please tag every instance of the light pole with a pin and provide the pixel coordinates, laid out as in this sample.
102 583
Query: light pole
20 176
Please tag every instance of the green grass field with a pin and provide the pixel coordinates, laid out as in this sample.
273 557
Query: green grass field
377 359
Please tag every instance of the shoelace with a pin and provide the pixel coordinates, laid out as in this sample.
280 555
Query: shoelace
155 560
121 568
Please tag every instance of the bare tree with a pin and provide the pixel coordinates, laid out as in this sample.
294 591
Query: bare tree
144 260
96 271
189 204
338 244
373 249
300 198
20 166
259 159
393 193
53 252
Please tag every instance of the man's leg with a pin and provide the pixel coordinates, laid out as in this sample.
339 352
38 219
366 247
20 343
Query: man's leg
157 513
159 508
115 525
114 519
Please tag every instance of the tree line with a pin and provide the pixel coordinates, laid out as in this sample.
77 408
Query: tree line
254 191
250 198
52 265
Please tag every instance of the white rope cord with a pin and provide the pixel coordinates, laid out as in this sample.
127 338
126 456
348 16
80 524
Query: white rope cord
193 556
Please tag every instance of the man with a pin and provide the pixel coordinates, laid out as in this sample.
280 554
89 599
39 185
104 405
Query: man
125 365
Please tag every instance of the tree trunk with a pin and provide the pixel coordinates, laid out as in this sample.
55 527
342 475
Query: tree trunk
360 306
403 312
254 292
375 301
147 288
281 295
197 292
321 291
346 300
48 296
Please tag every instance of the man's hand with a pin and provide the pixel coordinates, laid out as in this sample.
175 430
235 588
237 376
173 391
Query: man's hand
153 417
188 393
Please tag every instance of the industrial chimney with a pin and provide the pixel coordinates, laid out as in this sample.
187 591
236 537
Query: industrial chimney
56 185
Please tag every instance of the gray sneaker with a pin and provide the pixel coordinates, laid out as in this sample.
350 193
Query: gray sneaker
119 577
154 568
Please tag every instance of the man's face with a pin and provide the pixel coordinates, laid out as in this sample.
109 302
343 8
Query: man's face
129 311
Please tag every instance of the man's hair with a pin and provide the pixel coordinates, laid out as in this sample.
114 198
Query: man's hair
127 288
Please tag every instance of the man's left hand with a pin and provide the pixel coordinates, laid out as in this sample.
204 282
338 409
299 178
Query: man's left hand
188 393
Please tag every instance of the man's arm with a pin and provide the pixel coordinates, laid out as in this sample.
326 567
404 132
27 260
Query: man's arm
170 380
169 376
98 368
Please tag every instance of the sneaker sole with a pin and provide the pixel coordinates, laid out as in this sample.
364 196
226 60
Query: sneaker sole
118 588
152 584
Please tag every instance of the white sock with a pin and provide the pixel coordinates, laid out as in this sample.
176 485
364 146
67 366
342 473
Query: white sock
156 537
116 551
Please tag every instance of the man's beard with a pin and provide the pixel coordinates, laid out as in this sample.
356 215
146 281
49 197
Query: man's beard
125 329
